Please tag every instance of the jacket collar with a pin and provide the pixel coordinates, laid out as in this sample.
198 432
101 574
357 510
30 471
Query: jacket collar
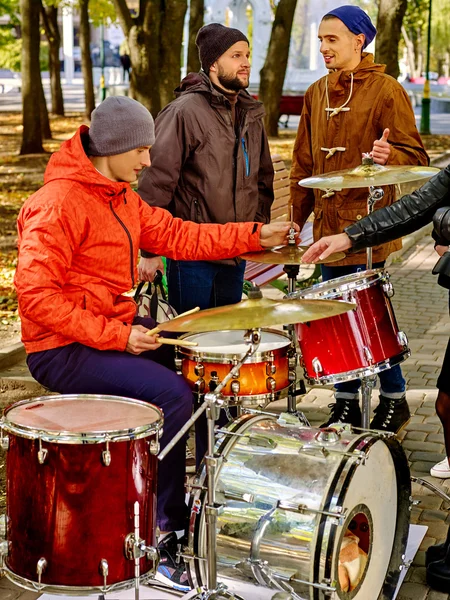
340 80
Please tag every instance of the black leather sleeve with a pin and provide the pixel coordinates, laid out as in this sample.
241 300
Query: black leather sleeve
408 214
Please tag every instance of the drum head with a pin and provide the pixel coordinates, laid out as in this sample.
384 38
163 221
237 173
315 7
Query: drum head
82 418
226 343
335 288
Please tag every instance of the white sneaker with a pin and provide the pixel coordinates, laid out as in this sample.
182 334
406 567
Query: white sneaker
441 470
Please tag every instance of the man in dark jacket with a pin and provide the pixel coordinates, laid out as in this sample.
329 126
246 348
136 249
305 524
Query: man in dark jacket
210 164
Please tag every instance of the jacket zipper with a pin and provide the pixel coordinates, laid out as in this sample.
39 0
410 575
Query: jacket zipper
129 239
246 158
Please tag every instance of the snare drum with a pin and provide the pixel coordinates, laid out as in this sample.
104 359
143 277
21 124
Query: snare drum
260 378
355 344
81 475
292 497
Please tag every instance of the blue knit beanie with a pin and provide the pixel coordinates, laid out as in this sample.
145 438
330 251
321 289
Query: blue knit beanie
356 20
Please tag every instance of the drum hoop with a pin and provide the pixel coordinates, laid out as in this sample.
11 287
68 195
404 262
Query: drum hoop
80 437
362 372
34 586
366 280
220 357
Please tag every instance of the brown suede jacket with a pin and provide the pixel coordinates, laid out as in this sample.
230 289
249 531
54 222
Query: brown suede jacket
375 101
201 170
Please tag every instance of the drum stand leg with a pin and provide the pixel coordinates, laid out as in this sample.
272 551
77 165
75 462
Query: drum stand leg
367 385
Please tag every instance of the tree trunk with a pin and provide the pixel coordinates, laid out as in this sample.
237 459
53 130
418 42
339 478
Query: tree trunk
409 52
31 77
43 112
154 39
171 39
50 19
196 19
389 25
86 60
274 69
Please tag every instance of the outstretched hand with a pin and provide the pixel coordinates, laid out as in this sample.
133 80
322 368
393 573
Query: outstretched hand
326 246
381 149
276 234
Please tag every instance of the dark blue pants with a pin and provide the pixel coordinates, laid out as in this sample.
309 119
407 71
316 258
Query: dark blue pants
204 284
79 369
392 383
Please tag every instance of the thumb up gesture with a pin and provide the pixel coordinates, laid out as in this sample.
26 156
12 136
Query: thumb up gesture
381 149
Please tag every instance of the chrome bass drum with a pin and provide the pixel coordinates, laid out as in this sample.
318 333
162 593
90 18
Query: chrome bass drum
295 501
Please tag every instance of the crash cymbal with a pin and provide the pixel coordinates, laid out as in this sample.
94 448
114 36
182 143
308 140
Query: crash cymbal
286 255
255 313
366 176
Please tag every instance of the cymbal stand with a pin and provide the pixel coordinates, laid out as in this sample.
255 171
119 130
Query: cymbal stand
368 383
212 404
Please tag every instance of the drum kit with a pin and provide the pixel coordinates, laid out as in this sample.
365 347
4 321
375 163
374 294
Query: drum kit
276 503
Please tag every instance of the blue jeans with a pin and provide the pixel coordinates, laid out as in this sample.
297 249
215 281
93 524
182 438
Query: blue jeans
79 369
392 383
205 284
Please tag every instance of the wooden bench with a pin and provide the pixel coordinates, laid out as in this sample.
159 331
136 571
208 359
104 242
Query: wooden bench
260 273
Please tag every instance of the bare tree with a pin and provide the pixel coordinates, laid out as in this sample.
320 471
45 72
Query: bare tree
86 60
154 39
274 69
389 26
49 16
31 77
196 17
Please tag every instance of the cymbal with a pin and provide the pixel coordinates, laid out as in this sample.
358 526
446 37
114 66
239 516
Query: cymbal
286 255
368 175
255 313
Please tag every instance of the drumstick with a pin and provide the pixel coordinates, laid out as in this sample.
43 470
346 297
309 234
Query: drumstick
188 312
172 342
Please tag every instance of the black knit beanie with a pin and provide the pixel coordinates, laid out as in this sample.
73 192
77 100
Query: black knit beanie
120 124
215 39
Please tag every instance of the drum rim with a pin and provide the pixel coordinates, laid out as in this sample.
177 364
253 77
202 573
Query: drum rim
82 437
51 588
348 283
383 365
218 358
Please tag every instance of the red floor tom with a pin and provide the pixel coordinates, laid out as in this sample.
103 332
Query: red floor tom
81 488
355 344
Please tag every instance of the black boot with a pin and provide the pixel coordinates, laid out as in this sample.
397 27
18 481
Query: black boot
437 552
391 415
344 411
438 574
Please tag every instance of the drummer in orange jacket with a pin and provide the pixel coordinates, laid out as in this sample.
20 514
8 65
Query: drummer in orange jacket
79 237
356 108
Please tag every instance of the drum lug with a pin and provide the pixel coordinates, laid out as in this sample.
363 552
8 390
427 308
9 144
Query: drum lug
178 363
317 366
368 355
388 289
137 548
40 568
199 369
271 368
339 514
199 386
271 384
402 339
104 570
106 455
154 447
42 453
235 387
214 381
292 375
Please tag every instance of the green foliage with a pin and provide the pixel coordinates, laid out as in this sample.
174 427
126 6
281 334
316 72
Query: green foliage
102 11
10 49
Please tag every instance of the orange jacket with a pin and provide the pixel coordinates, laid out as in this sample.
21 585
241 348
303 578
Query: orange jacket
79 237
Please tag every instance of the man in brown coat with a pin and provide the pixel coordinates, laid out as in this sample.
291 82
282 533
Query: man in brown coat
210 164
356 108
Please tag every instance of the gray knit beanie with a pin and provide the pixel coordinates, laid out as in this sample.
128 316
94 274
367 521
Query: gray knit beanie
120 124
215 39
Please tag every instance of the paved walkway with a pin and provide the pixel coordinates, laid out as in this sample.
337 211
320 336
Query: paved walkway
421 308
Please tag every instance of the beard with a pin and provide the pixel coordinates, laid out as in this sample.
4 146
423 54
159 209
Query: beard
231 82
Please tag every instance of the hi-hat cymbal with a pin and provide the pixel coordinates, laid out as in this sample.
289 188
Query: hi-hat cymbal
255 313
368 175
286 255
